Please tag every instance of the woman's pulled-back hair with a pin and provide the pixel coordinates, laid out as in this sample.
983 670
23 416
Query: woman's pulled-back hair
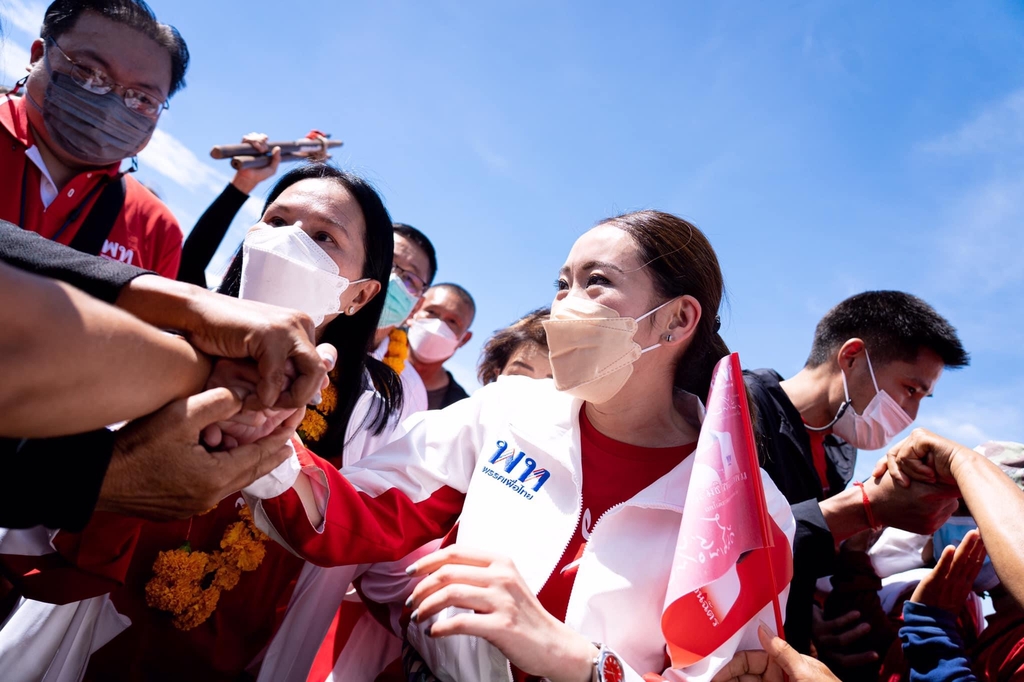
352 335
499 348
681 262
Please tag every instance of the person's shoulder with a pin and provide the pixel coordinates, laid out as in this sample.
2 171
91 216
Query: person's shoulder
141 203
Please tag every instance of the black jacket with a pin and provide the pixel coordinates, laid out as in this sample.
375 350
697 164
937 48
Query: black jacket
55 482
205 238
442 398
784 449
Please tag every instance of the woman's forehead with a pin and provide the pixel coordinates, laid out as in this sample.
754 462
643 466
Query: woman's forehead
606 243
325 200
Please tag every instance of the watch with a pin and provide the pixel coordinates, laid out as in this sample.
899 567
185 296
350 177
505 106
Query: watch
607 666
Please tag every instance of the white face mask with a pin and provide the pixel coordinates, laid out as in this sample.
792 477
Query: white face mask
873 428
432 340
284 266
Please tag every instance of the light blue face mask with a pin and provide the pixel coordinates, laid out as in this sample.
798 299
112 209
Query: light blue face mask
397 305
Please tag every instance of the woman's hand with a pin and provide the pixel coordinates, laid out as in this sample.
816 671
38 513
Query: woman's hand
952 579
247 178
505 612
777 659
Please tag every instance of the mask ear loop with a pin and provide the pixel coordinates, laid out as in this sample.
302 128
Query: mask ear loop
871 370
842 408
648 314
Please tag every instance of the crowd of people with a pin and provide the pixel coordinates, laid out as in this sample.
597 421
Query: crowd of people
283 481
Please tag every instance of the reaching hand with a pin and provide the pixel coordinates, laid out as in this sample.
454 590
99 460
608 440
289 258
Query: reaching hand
952 579
247 178
920 508
505 612
252 422
777 659
270 335
159 469
922 456
837 635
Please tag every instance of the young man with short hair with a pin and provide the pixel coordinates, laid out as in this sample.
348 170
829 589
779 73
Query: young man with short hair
102 73
438 328
875 356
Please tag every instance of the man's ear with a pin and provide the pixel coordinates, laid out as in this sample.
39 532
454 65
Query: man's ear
465 339
849 353
685 315
36 51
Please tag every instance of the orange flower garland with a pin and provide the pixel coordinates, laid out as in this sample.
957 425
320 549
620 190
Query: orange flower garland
179 575
398 350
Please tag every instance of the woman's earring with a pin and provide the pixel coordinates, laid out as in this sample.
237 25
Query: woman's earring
351 310
668 338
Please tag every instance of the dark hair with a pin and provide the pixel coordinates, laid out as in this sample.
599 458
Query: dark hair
682 262
893 325
62 15
352 335
499 348
420 240
461 294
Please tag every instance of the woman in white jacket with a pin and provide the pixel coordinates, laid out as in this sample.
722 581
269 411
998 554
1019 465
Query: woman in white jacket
568 492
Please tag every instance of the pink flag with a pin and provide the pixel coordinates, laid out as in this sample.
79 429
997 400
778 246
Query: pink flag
724 516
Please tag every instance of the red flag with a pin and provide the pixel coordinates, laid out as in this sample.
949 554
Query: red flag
731 558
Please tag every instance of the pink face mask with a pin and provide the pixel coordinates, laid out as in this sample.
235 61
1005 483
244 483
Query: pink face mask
432 340
876 426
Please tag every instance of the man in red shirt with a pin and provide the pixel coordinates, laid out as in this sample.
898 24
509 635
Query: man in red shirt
102 72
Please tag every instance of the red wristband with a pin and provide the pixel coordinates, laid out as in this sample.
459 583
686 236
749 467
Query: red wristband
867 506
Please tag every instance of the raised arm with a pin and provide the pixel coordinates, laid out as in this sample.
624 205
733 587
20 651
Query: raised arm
72 363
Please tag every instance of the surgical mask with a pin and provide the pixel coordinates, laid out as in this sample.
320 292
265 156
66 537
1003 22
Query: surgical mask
592 348
397 305
284 266
97 129
873 428
432 340
952 533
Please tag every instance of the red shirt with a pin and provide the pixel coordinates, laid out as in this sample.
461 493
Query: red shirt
817 439
613 472
145 233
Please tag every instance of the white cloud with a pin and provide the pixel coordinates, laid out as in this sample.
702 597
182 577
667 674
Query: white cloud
13 60
997 129
25 16
168 156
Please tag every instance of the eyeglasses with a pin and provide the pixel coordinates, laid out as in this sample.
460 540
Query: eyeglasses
411 280
99 83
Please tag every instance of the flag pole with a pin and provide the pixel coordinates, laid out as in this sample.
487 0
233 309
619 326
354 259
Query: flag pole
762 504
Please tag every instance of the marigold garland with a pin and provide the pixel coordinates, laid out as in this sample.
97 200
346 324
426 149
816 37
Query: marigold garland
179 575
398 350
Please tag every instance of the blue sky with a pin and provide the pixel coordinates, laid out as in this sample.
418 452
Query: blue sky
826 148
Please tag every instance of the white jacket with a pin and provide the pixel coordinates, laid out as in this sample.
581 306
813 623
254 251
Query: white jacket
526 508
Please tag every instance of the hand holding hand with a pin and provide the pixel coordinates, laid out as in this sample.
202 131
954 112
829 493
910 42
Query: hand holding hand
777 659
247 178
505 612
920 508
922 456
952 579
159 469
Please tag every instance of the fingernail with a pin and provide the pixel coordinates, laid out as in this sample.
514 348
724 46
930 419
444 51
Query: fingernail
411 569
408 602
316 399
415 616
767 627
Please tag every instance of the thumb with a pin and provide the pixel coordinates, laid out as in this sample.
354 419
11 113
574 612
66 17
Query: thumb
210 407
780 651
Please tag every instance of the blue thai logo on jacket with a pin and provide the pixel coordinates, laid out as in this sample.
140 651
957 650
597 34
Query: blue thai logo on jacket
506 462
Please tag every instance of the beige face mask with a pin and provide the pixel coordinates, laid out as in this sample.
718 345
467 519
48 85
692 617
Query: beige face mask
592 348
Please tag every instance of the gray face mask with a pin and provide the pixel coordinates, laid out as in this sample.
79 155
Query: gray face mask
97 129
